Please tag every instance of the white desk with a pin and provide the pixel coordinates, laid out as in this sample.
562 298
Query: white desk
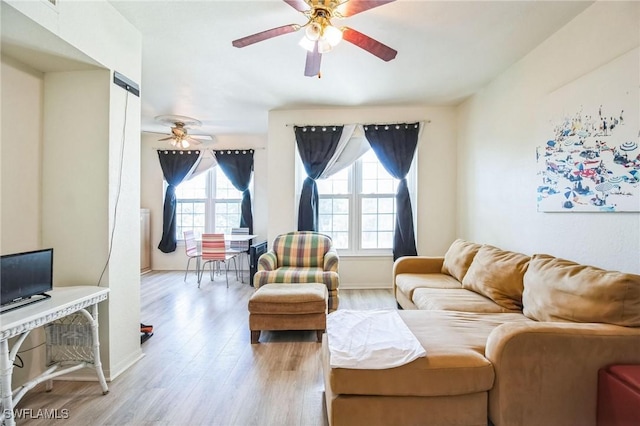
233 237
64 301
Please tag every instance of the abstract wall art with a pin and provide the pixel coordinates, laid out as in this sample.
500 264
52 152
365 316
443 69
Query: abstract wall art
590 158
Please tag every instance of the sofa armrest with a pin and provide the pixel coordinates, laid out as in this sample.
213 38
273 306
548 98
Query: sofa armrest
417 265
268 261
547 372
331 260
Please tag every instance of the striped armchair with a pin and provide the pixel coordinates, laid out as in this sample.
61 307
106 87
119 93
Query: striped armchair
301 257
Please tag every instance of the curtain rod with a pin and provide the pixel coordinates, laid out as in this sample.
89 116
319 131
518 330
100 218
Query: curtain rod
157 148
360 124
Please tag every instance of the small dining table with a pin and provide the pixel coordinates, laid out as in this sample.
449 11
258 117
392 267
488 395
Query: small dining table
239 238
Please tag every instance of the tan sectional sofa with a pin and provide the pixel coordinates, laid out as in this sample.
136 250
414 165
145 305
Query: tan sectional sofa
513 339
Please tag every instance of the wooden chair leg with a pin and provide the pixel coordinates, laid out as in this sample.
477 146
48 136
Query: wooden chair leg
319 334
255 336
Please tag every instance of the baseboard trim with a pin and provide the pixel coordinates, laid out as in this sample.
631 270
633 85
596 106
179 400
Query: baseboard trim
124 365
365 286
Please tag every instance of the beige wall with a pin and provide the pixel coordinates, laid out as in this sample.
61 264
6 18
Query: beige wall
78 115
435 184
21 156
152 191
274 199
496 153
21 177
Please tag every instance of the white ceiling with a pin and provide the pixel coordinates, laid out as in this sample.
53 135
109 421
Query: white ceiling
447 50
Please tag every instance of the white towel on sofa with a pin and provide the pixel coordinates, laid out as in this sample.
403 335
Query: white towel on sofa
370 340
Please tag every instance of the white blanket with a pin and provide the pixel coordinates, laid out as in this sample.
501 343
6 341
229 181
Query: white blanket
370 340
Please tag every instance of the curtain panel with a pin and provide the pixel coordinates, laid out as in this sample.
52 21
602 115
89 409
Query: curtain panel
176 166
207 162
317 146
395 146
237 165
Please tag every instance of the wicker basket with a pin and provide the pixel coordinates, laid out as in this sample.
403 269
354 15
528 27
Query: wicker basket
69 339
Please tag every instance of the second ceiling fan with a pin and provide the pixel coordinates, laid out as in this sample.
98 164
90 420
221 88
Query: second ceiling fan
320 35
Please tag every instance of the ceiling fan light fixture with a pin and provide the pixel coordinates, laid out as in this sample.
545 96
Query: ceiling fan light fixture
333 35
307 44
324 46
313 31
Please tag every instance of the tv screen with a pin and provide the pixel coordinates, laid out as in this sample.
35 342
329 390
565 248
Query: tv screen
23 275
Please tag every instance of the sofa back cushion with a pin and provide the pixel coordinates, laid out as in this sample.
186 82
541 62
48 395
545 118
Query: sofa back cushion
498 274
560 290
458 258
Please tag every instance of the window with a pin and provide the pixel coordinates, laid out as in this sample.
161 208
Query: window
191 206
357 207
207 203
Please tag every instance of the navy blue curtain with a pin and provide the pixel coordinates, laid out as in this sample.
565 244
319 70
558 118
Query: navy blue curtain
395 146
237 165
316 145
175 166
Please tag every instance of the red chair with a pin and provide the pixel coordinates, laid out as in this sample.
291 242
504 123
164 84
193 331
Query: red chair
214 252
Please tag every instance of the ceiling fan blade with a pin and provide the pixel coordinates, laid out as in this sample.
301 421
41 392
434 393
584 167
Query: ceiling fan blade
193 141
350 8
299 5
166 139
365 42
201 137
264 35
312 66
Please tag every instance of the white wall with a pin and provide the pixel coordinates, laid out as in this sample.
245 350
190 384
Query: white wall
496 153
436 180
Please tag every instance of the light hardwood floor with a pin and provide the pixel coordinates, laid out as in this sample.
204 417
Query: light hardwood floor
200 368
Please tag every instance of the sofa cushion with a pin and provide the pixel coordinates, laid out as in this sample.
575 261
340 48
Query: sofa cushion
407 283
458 258
454 364
560 290
498 274
455 300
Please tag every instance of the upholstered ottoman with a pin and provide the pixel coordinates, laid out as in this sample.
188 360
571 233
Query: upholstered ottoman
619 395
288 307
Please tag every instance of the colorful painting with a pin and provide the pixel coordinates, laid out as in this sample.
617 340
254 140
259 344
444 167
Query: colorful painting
590 161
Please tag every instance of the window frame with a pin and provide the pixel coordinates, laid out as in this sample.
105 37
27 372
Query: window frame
211 203
355 197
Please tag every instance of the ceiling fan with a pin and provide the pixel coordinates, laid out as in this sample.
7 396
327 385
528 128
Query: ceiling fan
180 138
320 35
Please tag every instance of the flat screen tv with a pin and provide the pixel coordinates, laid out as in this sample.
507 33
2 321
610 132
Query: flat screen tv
25 278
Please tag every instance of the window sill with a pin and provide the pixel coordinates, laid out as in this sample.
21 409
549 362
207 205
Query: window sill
377 254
